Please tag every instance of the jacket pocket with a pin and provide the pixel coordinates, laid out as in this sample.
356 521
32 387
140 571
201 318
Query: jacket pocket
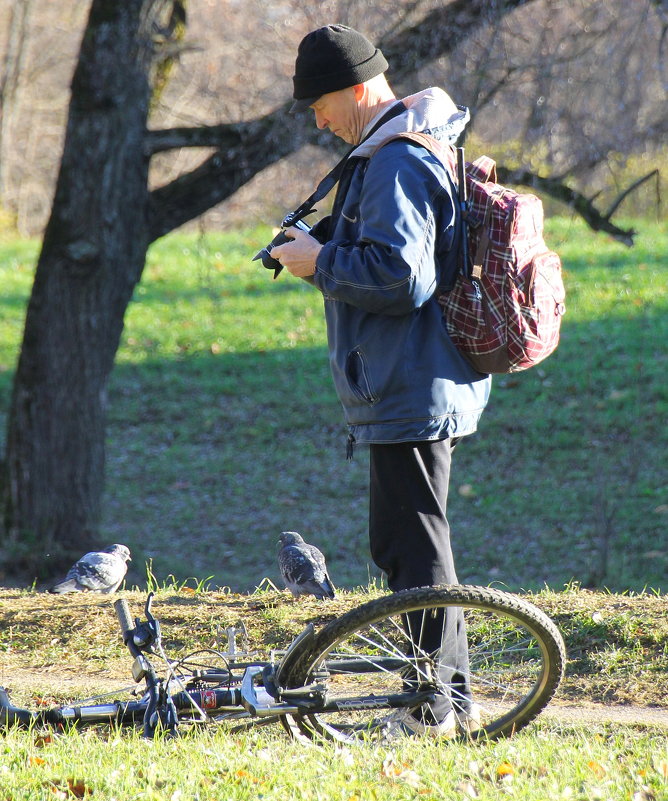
357 373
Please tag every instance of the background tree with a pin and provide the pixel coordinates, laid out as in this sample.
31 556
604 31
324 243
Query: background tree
92 256
119 187
13 61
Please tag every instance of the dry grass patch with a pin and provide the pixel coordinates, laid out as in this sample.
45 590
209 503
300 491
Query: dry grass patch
63 646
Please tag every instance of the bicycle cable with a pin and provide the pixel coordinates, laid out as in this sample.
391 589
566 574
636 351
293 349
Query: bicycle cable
172 675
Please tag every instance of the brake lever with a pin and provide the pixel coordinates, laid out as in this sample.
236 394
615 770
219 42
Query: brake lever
147 633
147 607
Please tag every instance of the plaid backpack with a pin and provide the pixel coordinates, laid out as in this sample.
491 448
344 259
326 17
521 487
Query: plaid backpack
505 308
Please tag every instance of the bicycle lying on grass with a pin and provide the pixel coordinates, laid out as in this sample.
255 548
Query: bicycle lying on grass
344 681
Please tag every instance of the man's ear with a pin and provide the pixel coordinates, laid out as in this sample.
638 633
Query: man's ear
358 89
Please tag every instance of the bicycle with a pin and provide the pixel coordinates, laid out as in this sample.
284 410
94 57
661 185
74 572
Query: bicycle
344 681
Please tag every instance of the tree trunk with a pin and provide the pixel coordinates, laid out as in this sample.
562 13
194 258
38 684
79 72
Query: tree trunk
92 257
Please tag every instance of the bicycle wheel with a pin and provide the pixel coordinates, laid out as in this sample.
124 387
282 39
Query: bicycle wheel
372 659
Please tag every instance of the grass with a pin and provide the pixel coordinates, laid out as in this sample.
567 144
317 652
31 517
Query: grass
224 428
601 764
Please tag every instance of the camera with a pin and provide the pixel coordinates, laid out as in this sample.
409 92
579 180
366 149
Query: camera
280 238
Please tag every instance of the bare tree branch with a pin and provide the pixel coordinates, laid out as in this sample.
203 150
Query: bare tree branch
618 202
582 205
223 137
242 153
440 32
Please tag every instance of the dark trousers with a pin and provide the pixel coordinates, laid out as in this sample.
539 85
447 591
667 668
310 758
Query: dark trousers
410 541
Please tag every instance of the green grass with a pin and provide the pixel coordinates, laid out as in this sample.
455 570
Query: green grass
224 428
597 764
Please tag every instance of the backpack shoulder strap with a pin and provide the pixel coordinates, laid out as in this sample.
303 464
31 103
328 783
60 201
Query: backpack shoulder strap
332 178
444 153
448 156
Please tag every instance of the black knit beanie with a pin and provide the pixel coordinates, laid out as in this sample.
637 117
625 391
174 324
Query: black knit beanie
332 58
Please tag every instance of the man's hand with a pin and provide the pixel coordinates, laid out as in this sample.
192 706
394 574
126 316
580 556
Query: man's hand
298 256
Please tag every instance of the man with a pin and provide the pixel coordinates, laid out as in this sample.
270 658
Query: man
390 241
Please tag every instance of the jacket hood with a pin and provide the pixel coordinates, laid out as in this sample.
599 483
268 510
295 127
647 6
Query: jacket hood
431 110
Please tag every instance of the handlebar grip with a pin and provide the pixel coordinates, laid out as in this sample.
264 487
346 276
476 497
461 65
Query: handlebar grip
123 614
13 715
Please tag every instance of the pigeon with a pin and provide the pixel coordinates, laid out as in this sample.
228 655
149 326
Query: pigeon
97 571
302 567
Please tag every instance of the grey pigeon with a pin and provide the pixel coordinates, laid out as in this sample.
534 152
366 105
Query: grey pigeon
303 567
97 571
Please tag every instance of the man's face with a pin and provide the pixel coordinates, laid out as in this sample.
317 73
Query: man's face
339 111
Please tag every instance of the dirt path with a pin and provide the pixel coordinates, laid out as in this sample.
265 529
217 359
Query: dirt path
56 681
600 713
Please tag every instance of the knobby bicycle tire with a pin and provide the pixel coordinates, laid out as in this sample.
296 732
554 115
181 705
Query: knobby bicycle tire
367 658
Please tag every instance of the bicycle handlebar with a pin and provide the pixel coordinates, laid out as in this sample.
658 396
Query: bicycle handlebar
124 618
13 715
157 708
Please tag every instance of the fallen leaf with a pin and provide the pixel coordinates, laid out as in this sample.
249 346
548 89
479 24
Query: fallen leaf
411 778
78 788
400 772
505 769
390 766
246 776
346 756
598 770
38 699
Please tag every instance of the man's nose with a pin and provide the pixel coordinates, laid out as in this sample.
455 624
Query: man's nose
320 121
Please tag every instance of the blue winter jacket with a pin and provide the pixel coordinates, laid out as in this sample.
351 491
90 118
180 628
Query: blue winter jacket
391 235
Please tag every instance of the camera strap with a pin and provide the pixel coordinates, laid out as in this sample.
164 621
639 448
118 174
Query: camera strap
332 178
